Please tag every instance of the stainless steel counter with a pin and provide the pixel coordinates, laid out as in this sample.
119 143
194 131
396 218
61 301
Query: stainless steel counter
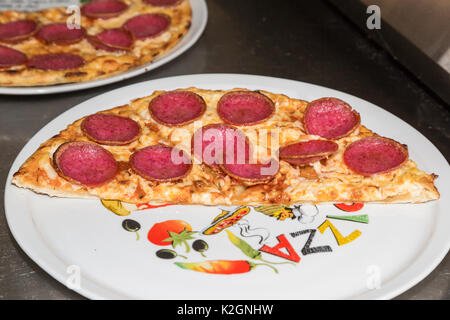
303 40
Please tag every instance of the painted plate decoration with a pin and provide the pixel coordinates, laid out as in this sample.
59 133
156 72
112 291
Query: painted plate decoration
113 250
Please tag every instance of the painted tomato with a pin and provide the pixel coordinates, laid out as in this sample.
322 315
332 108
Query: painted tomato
160 231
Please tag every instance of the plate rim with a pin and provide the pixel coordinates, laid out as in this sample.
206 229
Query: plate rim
382 293
199 9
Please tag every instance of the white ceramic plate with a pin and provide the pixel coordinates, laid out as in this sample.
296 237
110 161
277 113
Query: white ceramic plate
399 246
199 19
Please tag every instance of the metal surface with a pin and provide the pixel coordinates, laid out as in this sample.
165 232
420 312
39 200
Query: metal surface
414 32
431 35
302 40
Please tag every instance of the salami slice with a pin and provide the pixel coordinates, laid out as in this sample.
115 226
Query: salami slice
56 61
302 161
213 143
177 108
245 108
146 26
11 57
160 163
330 118
85 163
374 155
60 34
252 172
103 9
163 3
308 148
16 31
110 129
117 39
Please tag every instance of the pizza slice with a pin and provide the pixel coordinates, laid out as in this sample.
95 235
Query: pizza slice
232 147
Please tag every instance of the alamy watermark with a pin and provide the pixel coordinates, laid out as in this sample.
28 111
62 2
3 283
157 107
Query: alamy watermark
73 281
74 19
374 20
228 146
373 280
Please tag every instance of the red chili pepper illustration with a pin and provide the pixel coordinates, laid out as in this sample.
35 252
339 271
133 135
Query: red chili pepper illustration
222 266
225 220
349 207
143 206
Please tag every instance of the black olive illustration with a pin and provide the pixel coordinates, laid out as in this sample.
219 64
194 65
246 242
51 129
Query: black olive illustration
131 226
168 254
200 246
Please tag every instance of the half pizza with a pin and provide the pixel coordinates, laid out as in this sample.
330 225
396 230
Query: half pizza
230 147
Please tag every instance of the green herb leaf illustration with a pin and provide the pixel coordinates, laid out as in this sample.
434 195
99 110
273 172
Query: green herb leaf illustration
181 238
248 250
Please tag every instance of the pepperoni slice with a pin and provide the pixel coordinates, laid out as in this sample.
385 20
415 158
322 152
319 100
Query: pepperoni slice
330 118
160 163
308 148
59 33
212 144
112 40
147 25
103 9
251 172
10 57
163 3
177 108
16 31
85 163
245 108
56 61
374 155
110 129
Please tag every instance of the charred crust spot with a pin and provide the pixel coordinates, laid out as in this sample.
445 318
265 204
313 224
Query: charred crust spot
75 74
139 192
12 71
309 173
152 126
123 165
199 184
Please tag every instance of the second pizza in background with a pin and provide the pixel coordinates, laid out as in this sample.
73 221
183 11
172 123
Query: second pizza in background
42 48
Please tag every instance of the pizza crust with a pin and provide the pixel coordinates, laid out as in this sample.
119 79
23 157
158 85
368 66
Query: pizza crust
326 181
100 64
